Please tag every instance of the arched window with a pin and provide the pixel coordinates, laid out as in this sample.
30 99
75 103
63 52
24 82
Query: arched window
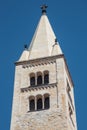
39 104
32 103
46 101
46 77
32 79
39 78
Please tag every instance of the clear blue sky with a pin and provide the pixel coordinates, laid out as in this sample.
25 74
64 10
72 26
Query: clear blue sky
18 20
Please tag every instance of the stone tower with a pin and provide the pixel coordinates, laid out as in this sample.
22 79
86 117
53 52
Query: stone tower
43 89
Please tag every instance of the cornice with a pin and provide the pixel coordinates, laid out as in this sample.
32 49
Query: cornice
40 87
39 60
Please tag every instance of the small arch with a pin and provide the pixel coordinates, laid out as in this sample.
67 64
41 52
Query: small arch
39 78
31 97
39 102
38 96
46 94
32 103
32 79
46 77
46 101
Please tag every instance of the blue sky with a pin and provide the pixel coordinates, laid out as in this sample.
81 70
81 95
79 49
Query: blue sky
18 20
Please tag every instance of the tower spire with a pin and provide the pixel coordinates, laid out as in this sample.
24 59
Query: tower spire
43 7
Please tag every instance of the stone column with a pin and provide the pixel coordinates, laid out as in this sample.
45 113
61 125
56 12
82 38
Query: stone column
42 78
35 78
28 104
35 103
43 102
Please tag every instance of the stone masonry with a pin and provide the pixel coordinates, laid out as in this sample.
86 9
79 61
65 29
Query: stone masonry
61 113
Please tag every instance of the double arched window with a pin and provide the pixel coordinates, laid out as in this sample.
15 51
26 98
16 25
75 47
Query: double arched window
39 78
39 102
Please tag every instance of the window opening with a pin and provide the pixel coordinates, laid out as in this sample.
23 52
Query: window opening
69 95
46 103
70 113
32 105
39 80
32 81
46 78
39 104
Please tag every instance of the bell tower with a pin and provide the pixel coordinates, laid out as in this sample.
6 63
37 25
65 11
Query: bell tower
43 89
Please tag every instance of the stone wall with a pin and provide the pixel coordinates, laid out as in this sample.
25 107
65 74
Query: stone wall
54 118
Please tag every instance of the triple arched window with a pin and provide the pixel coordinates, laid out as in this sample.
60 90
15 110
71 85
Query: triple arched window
39 78
39 102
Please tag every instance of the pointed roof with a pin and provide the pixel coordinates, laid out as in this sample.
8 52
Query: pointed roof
24 55
56 49
43 41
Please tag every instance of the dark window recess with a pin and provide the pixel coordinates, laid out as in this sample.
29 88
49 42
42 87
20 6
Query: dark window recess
46 78
32 81
32 105
39 104
39 80
46 103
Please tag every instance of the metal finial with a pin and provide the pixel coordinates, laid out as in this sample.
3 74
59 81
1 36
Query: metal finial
55 40
25 46
43 7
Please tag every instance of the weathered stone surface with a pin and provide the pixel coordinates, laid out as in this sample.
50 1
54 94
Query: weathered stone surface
57 116
43 55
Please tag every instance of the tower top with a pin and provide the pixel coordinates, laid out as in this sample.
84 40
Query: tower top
43 7
44 42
